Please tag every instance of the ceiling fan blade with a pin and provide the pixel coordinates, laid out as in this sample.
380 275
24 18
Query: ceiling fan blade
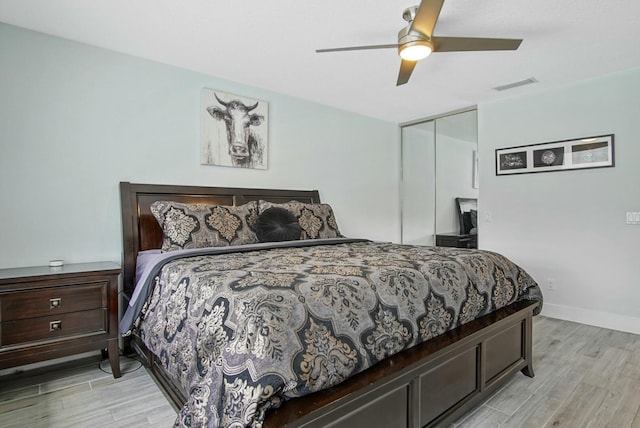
461 44
406 68
357 48
427 16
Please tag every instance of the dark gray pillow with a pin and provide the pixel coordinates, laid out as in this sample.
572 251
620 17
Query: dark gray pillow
316 220
277 224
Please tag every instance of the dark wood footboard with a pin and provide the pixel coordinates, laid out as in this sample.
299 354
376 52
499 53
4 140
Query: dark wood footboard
429 385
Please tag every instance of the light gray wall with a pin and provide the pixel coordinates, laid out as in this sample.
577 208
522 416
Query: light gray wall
75 120
569 227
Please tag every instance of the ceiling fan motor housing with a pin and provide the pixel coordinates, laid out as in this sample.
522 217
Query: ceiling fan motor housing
408 38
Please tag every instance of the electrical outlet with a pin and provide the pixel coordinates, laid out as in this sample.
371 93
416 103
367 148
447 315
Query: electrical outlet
633 217
551 284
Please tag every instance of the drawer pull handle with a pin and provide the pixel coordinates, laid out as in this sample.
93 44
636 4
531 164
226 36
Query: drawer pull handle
55 325
55 303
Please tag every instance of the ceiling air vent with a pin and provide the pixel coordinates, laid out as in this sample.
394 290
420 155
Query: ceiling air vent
528 81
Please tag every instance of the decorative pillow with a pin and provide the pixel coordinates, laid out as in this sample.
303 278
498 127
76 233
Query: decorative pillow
277 224
198 226
316 220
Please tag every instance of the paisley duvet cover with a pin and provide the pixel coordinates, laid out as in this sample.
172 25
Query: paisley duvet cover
241 332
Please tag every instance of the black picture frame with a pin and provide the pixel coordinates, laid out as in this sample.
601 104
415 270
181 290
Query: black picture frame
563 155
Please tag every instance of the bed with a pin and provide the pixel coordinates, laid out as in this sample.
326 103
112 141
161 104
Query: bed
427 384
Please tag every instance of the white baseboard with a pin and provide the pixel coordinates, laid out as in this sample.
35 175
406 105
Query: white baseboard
591 317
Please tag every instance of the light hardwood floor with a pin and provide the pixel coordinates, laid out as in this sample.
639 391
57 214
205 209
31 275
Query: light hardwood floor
80 394
586 377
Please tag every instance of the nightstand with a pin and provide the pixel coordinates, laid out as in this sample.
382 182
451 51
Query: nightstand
49 313
457 240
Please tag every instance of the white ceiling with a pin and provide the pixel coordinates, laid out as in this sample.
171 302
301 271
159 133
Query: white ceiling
271 44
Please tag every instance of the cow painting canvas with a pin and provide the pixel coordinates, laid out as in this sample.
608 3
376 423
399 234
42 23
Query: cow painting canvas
234 130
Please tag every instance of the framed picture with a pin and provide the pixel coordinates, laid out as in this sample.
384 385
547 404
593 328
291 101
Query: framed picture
235 130
590 152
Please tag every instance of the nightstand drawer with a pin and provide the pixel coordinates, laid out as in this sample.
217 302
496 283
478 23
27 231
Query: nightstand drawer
52 327
52 301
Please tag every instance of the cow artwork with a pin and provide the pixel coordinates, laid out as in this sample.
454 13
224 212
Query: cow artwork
234 131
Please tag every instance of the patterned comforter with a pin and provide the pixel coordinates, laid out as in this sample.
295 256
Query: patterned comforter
241 332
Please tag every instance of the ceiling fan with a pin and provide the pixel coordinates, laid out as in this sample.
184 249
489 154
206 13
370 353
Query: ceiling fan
416 41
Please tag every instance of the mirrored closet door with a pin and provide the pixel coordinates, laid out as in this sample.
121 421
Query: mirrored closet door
439 181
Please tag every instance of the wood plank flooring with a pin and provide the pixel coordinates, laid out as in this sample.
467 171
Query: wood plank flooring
80 394
586 377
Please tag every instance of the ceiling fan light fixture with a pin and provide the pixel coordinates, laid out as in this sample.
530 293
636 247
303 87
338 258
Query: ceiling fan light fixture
415 51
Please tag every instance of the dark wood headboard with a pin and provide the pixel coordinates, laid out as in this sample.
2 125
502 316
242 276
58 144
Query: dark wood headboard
140 230
465 205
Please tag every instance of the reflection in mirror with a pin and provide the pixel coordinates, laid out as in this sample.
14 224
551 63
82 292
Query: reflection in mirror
439 164
467 215
456 145
418 184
